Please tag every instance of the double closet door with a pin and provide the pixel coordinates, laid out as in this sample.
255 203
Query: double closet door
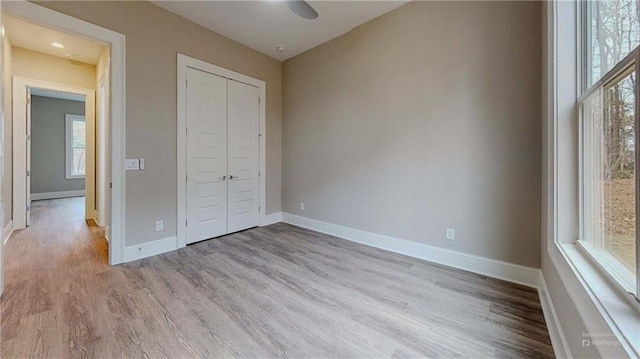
222 156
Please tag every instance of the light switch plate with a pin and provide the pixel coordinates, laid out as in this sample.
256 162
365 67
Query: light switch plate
141 165
132 164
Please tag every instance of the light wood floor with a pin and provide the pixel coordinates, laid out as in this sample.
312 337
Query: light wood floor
276 291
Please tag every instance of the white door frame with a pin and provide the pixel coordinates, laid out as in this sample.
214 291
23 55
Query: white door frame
19 171
52 19
102 148
185 62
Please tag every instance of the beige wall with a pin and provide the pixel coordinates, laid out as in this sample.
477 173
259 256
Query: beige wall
425 118
7 127
153 38
39 66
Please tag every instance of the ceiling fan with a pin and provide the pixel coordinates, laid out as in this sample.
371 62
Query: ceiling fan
302 9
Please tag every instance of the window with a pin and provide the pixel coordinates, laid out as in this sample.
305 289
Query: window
75 146
608 121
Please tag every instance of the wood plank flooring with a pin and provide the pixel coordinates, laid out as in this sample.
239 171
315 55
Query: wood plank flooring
276 291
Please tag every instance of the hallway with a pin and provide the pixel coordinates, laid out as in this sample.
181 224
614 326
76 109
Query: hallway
45 261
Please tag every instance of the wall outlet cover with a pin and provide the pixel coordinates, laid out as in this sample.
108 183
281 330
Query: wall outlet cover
451 234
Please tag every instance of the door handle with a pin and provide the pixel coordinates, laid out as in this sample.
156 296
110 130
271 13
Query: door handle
231 177
222 178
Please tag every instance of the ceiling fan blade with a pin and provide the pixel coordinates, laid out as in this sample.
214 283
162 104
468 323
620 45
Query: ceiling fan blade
302 9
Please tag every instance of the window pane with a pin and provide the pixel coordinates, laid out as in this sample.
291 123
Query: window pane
78 162
78 133
609 183
619 171
615 32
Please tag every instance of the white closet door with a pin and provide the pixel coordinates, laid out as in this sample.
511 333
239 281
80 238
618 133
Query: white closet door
206 156
243 155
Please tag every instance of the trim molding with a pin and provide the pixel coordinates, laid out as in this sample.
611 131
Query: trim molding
272 218
60 194
7 232
561 347
148 249
515 273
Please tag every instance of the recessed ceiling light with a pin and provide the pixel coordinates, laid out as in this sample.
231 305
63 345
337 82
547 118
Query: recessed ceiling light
280 48
57 45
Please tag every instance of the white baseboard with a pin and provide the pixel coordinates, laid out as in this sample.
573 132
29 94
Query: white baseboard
490 267
148 249
272 218
7 232
53 195
558 339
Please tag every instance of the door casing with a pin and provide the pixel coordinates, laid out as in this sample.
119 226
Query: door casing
21 160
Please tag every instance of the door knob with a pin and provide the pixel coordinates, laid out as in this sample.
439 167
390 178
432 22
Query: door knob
222 178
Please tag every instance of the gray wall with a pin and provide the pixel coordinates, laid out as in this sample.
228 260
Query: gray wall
48 144
153 38
425 118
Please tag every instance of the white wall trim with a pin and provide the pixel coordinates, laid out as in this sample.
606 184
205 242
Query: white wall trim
59 194
561 347
148 249
7 232
272 218
117 72
185 62
490 267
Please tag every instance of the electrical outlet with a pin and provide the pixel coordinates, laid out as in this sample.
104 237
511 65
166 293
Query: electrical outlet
302 206
451 234
159 226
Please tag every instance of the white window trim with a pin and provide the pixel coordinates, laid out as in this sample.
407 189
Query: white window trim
601 306
68 144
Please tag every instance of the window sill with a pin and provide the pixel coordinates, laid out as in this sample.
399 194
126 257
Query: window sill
620 314
74 177
619 276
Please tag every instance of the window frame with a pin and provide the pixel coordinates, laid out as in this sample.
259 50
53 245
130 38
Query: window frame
601 262
69 120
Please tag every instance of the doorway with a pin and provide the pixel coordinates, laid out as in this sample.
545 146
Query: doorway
57 151
113 175
65 141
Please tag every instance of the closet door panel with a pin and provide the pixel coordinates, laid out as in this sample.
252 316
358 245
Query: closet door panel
243 158
206 156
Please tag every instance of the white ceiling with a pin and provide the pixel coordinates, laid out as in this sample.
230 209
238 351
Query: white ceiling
265 25
38 38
